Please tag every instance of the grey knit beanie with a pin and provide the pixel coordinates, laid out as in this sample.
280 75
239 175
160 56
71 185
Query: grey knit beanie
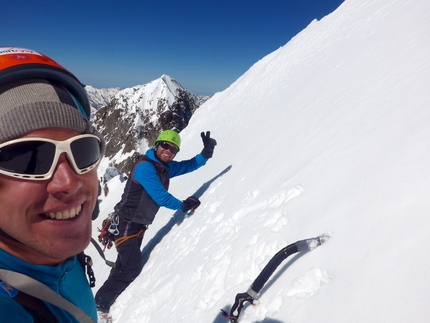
28 105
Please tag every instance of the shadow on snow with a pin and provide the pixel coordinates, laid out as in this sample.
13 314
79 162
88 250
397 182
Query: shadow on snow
177 219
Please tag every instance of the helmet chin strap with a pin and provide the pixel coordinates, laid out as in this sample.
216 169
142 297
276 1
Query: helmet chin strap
4 234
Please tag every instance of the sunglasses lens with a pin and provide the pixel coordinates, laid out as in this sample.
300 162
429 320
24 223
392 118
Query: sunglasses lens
30 157
86 151
172 149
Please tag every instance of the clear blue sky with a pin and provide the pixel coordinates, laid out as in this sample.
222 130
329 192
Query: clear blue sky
205 45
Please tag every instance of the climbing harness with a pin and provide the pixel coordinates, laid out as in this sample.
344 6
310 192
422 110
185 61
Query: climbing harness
109 231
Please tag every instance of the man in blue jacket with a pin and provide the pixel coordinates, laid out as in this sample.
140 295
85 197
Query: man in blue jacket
145 192
49 154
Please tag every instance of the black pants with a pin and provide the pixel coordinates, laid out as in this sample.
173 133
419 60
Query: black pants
127 266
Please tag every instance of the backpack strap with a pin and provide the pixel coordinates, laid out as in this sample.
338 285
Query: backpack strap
38 290
101 253
87 263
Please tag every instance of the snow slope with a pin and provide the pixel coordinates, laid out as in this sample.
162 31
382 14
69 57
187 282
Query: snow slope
328 134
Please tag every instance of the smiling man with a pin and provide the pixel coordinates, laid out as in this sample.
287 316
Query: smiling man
49 154
145 192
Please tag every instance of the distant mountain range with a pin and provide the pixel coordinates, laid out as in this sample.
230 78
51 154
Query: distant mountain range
131 119
100 97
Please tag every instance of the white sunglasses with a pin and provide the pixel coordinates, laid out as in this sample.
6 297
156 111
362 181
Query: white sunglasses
36 158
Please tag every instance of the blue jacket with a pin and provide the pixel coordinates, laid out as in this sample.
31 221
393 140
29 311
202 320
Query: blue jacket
147 187
68 279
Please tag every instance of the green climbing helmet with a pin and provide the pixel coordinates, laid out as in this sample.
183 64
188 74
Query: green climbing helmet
170 136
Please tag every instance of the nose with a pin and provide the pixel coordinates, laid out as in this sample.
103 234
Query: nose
64 180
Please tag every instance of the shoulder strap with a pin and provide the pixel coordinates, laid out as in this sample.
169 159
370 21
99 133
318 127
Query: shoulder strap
34 306
87 264
36 289
101 253
161 167
162 171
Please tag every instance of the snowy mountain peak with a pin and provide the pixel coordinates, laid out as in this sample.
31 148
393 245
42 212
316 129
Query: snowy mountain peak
161 91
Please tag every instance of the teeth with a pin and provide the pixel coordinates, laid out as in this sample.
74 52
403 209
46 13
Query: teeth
64 215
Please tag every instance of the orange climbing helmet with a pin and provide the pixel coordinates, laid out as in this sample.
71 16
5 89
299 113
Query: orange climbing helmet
20 63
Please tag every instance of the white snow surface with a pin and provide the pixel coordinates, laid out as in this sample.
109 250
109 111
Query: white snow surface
328 134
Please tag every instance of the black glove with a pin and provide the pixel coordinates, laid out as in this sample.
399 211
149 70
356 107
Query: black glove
209 144
191 203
